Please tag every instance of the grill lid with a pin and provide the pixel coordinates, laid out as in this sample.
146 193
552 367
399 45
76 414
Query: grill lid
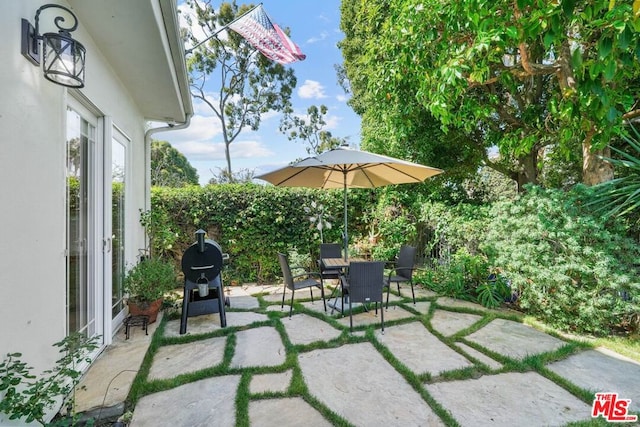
197 264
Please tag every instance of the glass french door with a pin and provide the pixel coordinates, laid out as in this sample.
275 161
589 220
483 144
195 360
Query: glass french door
82 292
117 186
96 174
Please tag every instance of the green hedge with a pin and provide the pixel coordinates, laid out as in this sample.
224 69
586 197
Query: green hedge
250 222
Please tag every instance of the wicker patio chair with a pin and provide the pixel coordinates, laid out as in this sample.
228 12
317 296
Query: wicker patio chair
402 272
364 285
299 281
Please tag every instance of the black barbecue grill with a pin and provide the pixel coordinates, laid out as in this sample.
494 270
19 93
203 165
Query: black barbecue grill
203 289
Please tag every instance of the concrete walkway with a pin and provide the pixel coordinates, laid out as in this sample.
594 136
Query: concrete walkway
439 362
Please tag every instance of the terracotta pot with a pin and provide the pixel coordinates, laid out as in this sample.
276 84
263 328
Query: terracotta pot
150 309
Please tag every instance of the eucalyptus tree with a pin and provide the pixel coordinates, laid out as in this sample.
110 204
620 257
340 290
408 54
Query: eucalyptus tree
535 78
229 76
310 129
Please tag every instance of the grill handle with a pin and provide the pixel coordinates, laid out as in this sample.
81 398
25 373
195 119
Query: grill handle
203 267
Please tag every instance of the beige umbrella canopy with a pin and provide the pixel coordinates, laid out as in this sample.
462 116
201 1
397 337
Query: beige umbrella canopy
347 168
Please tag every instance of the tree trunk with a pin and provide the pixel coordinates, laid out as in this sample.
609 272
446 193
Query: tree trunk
227 153
527 172
594 169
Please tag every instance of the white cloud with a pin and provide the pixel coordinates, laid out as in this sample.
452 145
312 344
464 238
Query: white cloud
249 150
311 89
201 150
324 18
208 150
323 35
269 115
342 98
201 108
332 122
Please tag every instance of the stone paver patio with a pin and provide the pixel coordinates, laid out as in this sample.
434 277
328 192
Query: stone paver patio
433 366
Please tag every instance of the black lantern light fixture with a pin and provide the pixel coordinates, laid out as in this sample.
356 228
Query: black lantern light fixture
62 57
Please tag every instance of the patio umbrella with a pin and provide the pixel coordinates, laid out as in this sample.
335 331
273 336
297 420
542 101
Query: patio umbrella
347 168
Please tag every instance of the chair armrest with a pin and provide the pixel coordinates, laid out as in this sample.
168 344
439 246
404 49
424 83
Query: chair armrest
308 274
395 270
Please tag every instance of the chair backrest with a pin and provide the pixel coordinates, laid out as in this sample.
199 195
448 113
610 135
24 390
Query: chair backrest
330 250
366 280
286 270
406 260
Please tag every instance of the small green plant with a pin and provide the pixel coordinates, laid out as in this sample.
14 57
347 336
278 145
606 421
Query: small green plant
492 293
149 280
448 280
31 398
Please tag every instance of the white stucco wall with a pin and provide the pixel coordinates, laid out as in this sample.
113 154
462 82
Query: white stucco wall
32 186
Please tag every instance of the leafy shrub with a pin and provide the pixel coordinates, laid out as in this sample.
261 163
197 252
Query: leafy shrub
467 277
462 226
572 269
447 280
29 398
149 280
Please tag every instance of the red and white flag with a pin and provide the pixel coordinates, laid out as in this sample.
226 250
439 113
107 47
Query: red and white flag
267 37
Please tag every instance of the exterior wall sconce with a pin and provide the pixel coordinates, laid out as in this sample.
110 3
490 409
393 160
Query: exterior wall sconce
63 58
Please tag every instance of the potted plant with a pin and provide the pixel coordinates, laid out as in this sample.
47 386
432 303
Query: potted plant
146 283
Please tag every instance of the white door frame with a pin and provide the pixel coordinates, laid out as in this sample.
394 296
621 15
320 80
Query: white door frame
113 135
95 171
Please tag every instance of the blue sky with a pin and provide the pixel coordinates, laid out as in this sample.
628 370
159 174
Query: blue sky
315 27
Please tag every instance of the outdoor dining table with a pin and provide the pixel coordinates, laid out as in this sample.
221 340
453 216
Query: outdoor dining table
341 264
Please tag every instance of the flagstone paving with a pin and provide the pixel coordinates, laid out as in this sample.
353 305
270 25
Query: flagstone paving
408 343
509 399
356 382
424 370
481 357
263 383
207 402
278 413
173 360
258 347
513 339
448 322
603 371
305 329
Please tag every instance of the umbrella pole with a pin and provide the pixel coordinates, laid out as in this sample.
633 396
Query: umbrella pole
346 235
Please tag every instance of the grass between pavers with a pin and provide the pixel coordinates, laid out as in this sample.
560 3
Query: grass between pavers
298 387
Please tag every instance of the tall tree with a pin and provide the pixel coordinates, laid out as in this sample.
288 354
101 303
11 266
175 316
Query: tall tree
405 128
310 129
169 167
531 77
230 76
